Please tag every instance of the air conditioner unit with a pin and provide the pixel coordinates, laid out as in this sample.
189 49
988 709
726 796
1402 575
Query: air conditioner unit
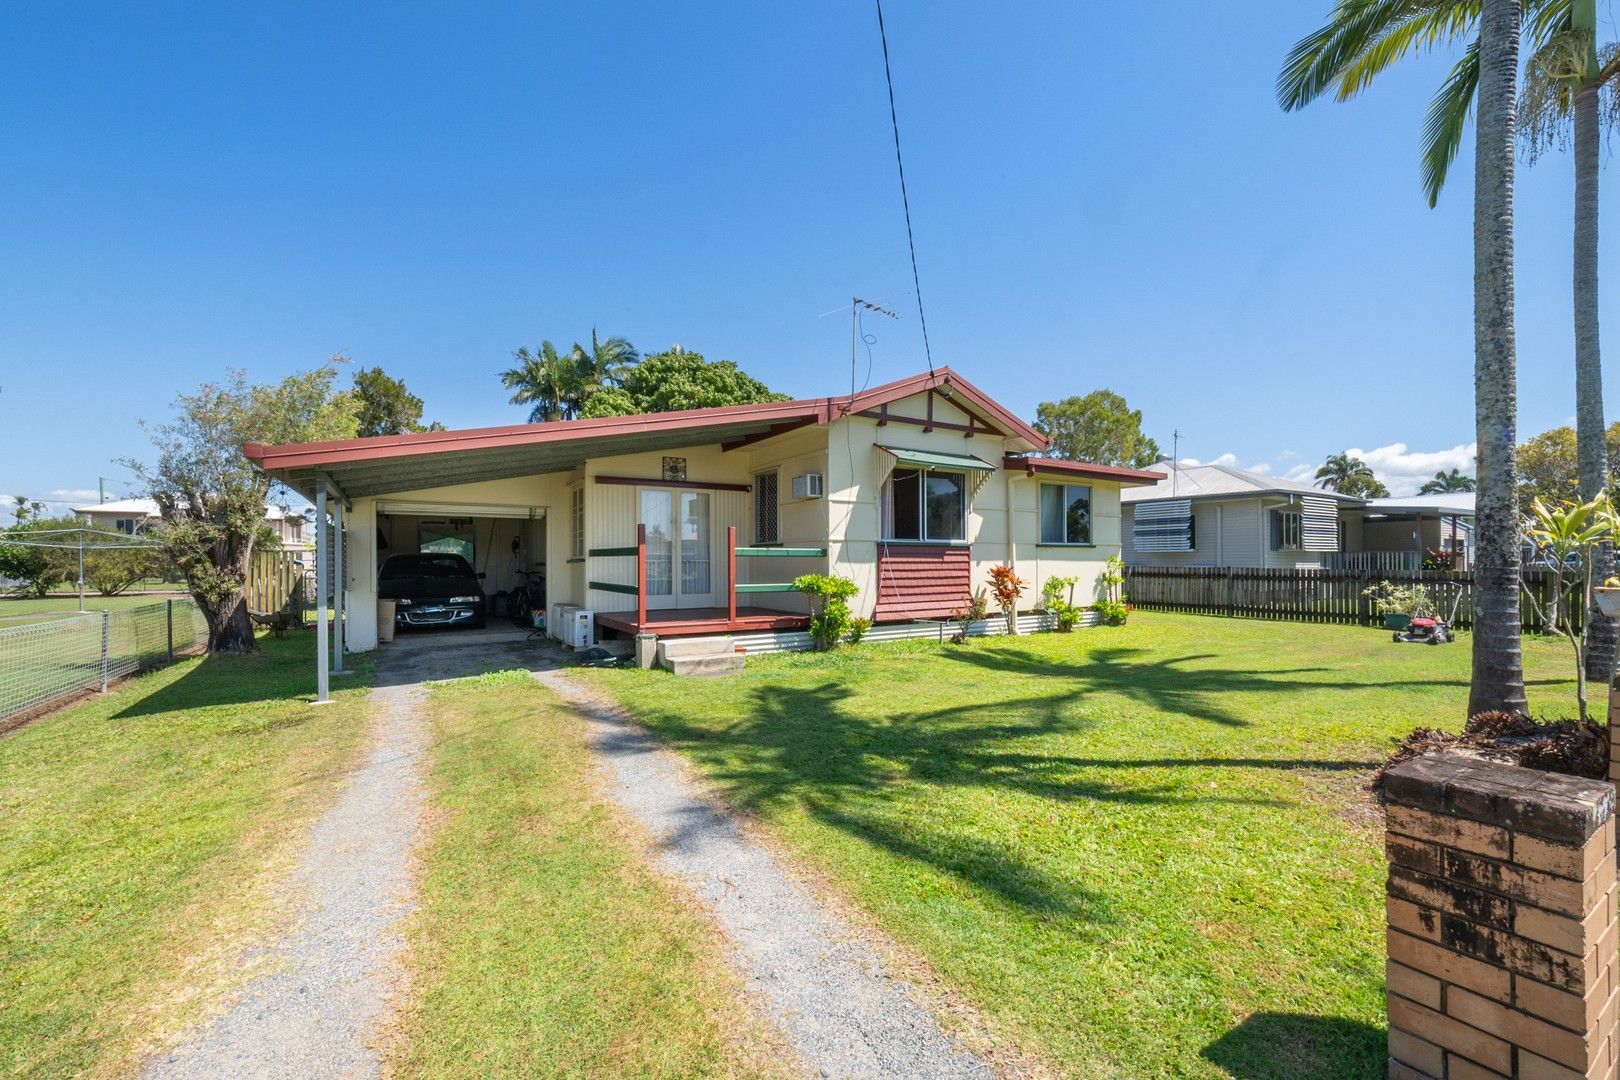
580 632
807 486
557 622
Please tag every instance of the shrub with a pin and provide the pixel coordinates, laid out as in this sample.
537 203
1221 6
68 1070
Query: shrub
829 597
857 630
974 609
1113 612
1006 586
1057 600
1406 599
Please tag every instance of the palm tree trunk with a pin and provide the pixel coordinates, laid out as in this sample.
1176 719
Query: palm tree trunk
1498 676
1590 452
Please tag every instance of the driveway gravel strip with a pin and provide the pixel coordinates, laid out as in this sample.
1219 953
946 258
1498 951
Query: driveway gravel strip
826 986
314 1014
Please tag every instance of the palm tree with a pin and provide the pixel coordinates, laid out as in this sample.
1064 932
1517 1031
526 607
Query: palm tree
1498 672
544 381
1360 40
1444 483
1341 471
1565 81
605 365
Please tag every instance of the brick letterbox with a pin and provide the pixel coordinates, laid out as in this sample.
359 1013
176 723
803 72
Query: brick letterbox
1502 922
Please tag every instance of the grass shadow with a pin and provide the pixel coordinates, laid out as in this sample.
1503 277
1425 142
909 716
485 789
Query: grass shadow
1295 1046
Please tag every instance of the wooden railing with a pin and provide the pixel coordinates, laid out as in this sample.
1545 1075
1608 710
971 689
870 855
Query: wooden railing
733 553
639 589
733 587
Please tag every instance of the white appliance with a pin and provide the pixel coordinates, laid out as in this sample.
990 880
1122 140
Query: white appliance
807 486
579 631
557 623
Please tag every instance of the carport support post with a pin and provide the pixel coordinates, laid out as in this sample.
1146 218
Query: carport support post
322 550
338 583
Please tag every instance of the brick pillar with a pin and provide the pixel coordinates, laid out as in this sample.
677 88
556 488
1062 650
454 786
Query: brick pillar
1502 923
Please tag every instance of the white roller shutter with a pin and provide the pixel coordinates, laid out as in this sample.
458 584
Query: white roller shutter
1163 525
1319 523
457 510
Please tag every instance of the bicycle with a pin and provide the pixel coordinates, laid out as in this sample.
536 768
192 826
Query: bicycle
526 598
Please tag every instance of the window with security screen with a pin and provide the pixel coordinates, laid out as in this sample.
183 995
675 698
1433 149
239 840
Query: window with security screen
576 513
767 519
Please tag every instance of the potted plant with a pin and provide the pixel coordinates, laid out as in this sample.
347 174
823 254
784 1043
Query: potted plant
1399 603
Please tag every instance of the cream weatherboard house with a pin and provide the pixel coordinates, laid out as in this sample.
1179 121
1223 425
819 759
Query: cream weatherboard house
690 523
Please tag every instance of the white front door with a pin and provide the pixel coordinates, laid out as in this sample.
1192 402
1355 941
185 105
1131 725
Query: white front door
680 571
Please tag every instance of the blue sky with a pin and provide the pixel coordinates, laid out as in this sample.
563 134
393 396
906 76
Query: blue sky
426 187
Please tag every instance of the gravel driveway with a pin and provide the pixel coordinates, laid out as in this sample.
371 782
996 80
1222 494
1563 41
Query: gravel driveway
820 981
313 1015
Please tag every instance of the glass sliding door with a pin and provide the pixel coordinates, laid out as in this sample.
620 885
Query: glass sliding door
657 512
680 570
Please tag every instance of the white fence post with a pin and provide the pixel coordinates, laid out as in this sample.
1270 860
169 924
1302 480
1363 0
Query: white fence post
106 625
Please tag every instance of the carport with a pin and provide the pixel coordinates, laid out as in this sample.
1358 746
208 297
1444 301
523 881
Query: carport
480 483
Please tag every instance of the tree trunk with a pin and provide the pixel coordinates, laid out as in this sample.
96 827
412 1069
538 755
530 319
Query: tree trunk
1498 675
229 628
1590 451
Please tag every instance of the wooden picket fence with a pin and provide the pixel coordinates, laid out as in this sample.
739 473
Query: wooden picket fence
1325 596
271 577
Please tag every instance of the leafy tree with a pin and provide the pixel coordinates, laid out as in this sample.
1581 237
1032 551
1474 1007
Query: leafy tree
1098 427
548 383
39 569
1350 476
1445 483
212 498
676 380
614 401
386 407
112 570
1548 470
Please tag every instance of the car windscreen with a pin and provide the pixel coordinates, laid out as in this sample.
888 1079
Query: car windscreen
443 566
429 566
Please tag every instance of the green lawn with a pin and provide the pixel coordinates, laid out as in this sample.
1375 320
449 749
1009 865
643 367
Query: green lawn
13 609
141 834
544 945
1143 851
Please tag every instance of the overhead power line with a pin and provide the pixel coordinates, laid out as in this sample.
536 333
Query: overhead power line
905 199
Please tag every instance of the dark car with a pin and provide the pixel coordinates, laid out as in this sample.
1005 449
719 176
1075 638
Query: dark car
432 589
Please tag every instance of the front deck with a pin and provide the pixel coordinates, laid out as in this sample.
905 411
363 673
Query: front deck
689 622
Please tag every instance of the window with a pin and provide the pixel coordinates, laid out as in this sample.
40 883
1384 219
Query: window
576 519
445 537
925 505
125 525
767 527
1287 531
1065 514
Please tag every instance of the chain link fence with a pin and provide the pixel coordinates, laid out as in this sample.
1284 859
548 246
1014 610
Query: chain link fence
42 663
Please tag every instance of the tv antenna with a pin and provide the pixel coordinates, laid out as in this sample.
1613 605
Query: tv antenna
1175 459
856 306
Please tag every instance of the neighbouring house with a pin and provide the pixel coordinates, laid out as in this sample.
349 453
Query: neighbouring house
134 516
1217 515
697 522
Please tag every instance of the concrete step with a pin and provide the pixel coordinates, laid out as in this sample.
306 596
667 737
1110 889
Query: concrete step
693 648
705 665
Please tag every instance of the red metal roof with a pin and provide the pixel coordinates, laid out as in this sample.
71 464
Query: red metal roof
809 410
1060 467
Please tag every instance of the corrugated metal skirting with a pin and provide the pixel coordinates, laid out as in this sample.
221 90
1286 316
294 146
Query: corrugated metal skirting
799 640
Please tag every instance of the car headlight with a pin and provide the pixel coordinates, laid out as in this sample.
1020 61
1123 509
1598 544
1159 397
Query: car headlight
402 602
464 599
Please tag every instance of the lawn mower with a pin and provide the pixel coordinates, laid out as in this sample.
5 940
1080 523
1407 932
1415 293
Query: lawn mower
1429 629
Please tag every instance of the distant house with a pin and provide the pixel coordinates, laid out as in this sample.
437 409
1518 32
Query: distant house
134 516
1216 515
